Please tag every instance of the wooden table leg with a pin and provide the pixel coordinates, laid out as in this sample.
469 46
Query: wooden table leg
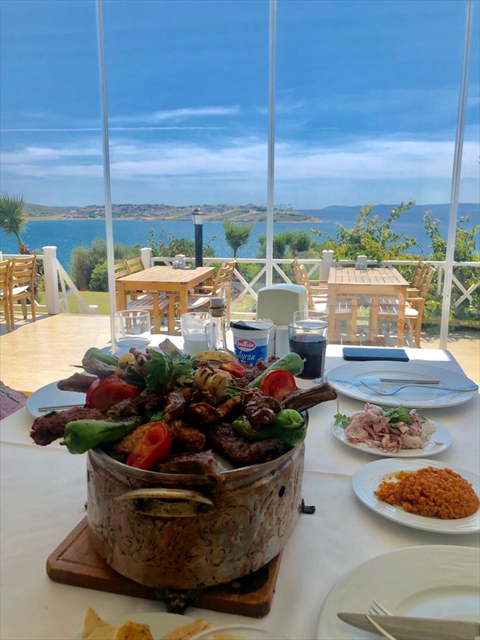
172 297
121 296
156 312
375 301
332 304
354 319
183 300
402 295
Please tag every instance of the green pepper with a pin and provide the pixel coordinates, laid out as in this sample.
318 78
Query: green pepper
82 435
243 427
102 357
290 362
291 426
288 425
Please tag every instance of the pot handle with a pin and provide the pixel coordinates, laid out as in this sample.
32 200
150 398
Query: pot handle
169 503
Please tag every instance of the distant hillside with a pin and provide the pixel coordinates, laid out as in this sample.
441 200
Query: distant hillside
216 213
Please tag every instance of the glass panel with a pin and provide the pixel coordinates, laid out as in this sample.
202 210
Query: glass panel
367 99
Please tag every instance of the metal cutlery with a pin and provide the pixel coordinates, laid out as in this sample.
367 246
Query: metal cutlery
59 406
406 628
393 390
379 628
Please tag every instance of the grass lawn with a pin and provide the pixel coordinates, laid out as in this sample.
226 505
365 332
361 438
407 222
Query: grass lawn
91 297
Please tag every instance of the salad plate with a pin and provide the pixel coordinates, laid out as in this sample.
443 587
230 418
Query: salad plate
440 440
347 379
160 622
365 482
51 396
431 581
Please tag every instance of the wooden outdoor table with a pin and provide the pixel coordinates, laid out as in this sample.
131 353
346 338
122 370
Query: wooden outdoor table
374 282
165 279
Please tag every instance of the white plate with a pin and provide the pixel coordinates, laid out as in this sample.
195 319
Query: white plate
418 397
366 480
427 581
431 449
160 623
49 396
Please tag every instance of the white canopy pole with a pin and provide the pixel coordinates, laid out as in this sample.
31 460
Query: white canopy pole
457 170
106 169
271 139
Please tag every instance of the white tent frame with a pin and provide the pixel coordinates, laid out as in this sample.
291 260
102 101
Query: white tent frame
457 162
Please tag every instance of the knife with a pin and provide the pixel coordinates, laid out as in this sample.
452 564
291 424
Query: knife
380 380
404 628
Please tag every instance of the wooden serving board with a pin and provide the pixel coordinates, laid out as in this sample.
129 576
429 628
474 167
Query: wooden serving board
76 563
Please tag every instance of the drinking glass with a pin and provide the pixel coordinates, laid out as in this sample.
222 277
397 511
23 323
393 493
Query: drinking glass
194 326
307 337
132 328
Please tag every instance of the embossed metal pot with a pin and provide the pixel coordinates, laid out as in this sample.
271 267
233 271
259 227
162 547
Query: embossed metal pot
192 531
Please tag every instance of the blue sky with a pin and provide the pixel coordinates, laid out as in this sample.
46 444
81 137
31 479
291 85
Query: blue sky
367 97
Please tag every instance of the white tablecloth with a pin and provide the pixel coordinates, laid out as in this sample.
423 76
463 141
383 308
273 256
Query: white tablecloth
43 493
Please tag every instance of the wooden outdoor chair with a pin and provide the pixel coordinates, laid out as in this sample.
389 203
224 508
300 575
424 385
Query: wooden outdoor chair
5 292
413 309
157 304
222 286
317 293
22 277
414 287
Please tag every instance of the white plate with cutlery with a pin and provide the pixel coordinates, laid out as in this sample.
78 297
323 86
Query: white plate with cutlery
442 386
431 581
50 398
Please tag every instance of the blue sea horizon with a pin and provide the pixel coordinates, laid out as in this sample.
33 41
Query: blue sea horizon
66 235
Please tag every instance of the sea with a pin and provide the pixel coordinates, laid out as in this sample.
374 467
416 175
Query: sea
66 235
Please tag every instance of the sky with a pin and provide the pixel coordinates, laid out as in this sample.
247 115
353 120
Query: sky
366 101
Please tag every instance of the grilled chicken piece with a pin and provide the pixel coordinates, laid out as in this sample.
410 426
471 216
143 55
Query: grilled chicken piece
189 438
227 407
175 406
302 400
78 382
201 413
127 444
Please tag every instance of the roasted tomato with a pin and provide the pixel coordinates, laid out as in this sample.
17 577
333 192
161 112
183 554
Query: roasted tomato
278 384
154 446
103 394
236 370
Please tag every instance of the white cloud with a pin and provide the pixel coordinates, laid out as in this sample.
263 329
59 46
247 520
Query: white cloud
178 114
246 158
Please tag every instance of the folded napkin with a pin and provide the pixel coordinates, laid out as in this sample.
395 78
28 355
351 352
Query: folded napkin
10 400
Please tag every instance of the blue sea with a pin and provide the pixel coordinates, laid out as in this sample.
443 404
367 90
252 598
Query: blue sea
68 234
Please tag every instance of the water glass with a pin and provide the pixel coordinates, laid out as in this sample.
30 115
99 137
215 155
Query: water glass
194 332
132 328
307 337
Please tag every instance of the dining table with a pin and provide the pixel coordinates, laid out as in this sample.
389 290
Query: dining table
43 497
376 282
163 279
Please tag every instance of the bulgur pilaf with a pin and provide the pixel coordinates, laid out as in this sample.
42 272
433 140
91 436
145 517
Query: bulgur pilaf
430 492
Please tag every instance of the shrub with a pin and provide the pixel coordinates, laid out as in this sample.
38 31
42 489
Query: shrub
86 258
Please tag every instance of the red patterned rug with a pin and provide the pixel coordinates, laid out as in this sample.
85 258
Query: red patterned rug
10 400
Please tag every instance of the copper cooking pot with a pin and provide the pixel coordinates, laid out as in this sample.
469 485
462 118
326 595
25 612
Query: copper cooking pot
191 531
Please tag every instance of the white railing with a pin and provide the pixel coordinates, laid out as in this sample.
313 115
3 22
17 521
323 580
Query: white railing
59 286
319 268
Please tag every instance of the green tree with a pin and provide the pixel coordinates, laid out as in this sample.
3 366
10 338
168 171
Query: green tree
169 246
86 258
290 244
370 236
237 235
12 218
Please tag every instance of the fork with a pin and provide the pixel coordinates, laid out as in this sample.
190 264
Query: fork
380 629
379 610
393 390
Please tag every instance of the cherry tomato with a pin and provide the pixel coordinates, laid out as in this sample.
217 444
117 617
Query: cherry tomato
104 393
154 446
278 384
237 370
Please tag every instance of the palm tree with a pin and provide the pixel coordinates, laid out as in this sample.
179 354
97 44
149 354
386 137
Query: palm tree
12 218
237 235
